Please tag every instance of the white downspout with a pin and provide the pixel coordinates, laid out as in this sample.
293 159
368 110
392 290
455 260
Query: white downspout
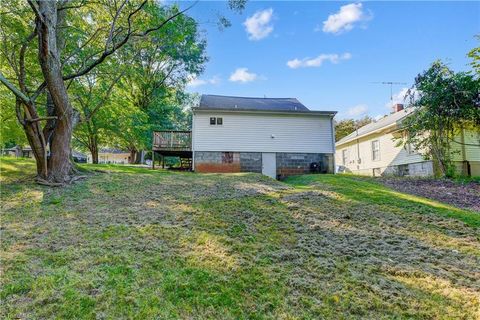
332 123
193 140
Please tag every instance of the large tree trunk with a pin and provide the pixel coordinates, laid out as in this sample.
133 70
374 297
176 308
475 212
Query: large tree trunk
133 155
34 135
93 147
60 168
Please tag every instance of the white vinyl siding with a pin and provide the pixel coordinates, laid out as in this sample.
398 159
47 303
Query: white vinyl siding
471 146
256 132
390 154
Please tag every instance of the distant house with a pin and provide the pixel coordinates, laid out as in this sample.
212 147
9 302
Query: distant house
274 136
373 150
111 156
27 152
18 152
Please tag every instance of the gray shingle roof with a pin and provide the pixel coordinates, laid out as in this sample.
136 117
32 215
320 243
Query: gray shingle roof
246 103
396 117
112 150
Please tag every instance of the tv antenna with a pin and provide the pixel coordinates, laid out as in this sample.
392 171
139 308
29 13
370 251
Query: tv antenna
391 83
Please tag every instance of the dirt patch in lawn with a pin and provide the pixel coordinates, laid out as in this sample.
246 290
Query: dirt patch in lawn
465 196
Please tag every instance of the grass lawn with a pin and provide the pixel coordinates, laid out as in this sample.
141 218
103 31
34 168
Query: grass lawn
137 243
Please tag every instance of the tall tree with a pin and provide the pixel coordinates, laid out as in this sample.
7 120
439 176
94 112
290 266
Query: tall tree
92 99
105 25
447 102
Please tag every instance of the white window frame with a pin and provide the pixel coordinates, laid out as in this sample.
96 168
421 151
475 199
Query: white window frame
345 157
375 150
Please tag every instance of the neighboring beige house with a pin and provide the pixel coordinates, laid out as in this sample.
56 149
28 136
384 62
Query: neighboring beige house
111 156
372 150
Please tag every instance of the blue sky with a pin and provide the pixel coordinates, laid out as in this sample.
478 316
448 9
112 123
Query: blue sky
328 54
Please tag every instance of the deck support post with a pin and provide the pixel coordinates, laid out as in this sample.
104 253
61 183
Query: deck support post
163 161
153 159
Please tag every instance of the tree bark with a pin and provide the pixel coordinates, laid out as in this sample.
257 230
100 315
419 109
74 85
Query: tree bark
133 155
60 168
93 147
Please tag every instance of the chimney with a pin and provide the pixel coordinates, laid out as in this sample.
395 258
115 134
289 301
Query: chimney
397 107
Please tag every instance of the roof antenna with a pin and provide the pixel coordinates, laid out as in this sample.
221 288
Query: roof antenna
391 83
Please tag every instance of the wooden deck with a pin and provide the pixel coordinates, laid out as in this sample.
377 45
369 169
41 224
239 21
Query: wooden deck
172 142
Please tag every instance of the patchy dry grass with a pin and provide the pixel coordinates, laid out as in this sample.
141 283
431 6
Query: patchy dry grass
136 243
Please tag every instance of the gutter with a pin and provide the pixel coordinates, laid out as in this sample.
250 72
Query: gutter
286 112
340 143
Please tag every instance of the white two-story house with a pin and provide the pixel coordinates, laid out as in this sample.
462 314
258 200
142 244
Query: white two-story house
274 136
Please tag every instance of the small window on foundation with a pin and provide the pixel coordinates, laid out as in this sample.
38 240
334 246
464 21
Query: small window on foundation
212 120
219 121
227 157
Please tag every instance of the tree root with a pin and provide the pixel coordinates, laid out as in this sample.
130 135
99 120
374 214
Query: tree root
47 183
44 182
76 178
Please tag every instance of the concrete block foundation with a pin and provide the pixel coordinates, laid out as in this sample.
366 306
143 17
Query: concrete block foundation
287 163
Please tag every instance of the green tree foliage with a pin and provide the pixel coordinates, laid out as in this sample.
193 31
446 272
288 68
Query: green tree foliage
447 102
346 126
140 90
474 54
48 47
11 132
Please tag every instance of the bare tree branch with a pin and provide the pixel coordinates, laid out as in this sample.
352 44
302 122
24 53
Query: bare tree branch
42 118
19 94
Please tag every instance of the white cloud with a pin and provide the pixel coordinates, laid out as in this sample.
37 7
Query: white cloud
258 26
243 75
195 82
358 110
318 61
345 19
402 97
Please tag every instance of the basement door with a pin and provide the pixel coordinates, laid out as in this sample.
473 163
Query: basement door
269 164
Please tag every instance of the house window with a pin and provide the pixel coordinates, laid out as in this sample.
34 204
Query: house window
227 157
375 150
219 121
345 156
212 120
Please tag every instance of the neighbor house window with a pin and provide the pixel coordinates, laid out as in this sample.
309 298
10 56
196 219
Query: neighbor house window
345 156
219 121
212 120
375 150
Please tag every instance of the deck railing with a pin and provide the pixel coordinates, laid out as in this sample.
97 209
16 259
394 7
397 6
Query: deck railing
172 140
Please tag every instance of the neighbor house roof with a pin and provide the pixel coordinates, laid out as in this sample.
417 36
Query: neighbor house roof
112 150
387 121
78 154
247 104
